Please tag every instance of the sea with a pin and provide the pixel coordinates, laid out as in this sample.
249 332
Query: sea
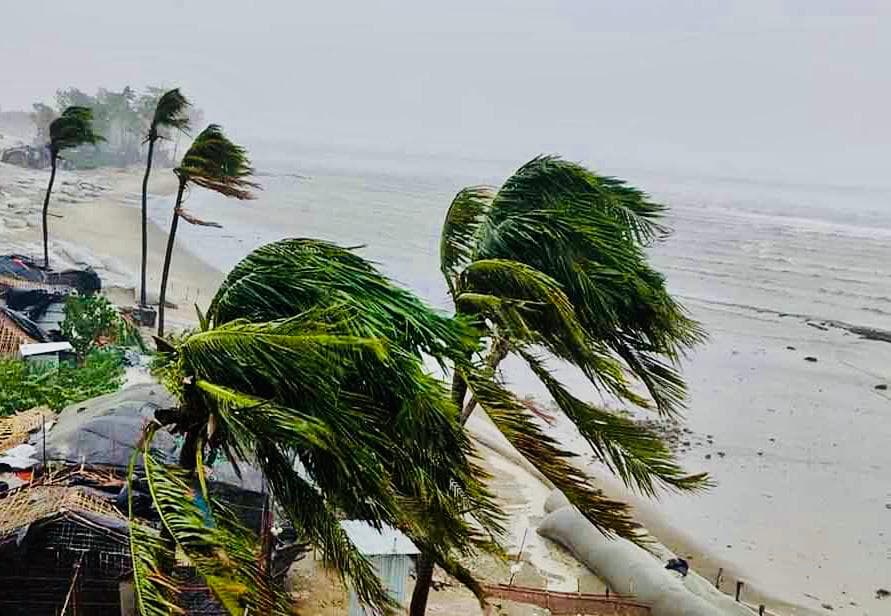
792 281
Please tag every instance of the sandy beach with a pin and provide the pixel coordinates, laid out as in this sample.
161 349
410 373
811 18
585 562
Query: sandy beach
94 220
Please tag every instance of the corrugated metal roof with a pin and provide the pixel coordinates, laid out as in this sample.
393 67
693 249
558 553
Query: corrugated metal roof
371 541
42 348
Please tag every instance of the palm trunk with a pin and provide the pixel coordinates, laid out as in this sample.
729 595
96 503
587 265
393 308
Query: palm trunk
167 257
143 265
49 189
499 351
459 390
422 586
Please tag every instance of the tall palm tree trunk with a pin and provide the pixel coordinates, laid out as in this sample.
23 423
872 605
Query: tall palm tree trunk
49 189
145 179
168 255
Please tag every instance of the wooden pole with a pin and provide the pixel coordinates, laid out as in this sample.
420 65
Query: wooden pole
718 577
739 585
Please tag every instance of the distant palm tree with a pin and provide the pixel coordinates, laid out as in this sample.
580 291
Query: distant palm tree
71 129
342 388
553 263
215 163
170 112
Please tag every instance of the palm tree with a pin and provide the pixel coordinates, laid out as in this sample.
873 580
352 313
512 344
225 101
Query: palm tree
553 264
71 129
170 113
215 163
340 387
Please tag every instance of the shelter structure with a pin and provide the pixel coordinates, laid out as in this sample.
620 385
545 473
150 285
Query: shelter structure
391 554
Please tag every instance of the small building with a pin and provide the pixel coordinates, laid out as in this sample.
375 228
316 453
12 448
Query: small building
49 354
390 552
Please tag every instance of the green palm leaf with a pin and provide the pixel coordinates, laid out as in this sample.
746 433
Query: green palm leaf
518 425
73 128
285 278
224 553
639 457
171 112
459 229
216 163
308 354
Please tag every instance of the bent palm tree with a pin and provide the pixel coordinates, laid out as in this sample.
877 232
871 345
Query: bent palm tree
215 163
71 129
170 112
341 388
553 263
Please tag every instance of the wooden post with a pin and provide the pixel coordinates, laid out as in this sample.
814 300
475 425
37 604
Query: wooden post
43 421
718 577
739 585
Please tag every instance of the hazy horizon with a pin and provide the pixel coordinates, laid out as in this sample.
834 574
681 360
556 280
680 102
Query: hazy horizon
792 90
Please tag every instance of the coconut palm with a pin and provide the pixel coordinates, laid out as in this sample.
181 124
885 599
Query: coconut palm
215 163
71 129
341 387
170 113
552 265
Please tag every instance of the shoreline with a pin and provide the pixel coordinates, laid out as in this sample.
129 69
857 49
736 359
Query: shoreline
102 229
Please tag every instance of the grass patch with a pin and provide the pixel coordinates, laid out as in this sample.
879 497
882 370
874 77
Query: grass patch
23 386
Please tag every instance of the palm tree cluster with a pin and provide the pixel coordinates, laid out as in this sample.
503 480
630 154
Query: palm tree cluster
311 366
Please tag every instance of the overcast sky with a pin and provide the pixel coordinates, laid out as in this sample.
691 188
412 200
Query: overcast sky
732 86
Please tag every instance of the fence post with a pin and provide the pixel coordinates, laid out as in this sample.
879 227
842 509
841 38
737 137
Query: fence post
718 578
739 586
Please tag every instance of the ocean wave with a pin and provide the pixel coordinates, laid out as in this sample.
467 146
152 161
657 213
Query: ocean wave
864 331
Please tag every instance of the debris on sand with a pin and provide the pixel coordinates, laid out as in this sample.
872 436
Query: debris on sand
883 593
882 387
810 358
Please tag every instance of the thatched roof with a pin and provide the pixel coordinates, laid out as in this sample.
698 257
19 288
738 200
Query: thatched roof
43 503
14 429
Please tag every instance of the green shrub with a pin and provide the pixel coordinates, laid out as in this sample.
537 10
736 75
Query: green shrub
92 321
24 386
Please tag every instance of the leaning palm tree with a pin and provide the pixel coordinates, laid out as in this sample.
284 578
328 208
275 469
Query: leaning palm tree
215 163
170 113
552 265
338 390
71 129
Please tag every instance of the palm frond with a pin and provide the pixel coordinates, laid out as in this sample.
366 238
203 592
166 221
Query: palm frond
223 552
462 221
529 307
287 277
73 128
588 232
216 163
549 182
518 425
155 592
638 456
171 111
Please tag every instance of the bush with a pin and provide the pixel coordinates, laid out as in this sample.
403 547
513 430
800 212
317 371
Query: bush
92 321
24 386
